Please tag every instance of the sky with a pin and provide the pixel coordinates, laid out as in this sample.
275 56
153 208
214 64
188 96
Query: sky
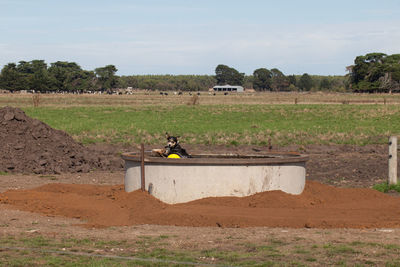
317 37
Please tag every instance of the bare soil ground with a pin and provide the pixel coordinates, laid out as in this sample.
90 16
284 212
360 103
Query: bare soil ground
338 165
341 166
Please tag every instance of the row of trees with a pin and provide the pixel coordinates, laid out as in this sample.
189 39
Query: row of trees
375 72
64 76
60 76
168 82
274 80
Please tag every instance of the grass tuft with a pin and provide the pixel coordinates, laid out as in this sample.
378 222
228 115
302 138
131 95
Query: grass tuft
385 187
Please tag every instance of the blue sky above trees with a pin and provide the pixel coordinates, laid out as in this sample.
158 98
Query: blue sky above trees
193 37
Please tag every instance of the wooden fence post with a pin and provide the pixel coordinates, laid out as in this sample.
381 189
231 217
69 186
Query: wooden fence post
142 178
392 160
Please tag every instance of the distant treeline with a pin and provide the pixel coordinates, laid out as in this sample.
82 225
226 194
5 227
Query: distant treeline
374 72
168 82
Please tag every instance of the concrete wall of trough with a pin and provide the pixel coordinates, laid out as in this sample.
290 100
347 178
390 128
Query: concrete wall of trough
178 183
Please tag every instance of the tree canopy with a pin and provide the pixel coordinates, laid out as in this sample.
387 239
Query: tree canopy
375 72
227 75
36 75
305 82
279 81
106 77
262 79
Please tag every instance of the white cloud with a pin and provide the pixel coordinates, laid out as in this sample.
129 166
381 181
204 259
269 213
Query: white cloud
197 49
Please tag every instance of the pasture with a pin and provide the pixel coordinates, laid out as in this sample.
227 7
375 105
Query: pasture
219 120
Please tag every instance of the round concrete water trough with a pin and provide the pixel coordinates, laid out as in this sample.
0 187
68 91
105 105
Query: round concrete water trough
215 175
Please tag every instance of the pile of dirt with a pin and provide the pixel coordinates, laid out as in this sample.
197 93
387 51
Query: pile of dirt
319 206
29 145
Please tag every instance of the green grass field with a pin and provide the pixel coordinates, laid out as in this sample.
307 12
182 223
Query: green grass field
156 251
226 124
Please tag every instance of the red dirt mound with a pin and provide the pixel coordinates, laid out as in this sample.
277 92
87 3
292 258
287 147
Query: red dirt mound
29 145
319 206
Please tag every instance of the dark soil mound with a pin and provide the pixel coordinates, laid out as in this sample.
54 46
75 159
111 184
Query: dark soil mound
319 206
29 145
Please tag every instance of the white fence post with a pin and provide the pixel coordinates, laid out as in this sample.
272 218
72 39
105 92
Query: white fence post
393 160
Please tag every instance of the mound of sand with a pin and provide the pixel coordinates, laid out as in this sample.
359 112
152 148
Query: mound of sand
29 145
319 206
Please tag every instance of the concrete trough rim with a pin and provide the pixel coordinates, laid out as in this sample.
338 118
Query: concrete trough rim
270 158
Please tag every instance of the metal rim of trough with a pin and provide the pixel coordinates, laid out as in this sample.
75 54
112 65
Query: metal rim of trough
222 159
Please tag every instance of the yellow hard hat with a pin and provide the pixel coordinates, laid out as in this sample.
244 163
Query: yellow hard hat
174 156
